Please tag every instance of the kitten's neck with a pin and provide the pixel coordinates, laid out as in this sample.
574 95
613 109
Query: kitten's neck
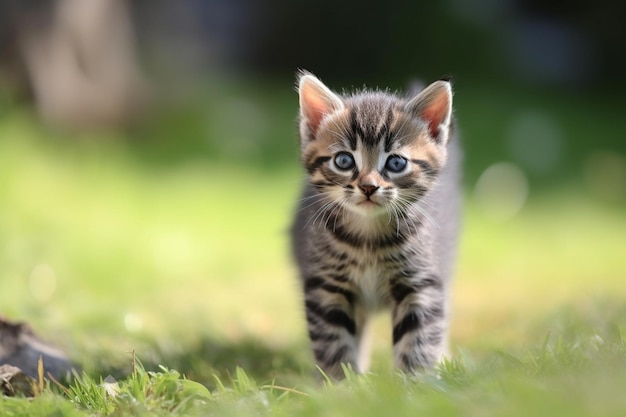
369 223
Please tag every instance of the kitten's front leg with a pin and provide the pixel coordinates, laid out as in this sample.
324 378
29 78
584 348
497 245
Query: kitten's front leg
419 323
333 328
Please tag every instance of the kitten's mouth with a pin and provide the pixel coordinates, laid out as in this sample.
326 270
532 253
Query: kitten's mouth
368 207
368 203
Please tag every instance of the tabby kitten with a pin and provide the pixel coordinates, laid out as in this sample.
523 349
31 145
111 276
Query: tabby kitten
377 224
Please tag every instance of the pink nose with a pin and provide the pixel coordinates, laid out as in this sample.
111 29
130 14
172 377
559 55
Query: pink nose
368 190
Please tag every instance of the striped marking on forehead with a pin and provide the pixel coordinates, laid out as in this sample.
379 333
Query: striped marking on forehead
370 123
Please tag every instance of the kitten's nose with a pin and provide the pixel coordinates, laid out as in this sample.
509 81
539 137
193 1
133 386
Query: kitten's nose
368 190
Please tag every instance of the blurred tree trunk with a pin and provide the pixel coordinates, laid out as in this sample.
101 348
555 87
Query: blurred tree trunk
82 67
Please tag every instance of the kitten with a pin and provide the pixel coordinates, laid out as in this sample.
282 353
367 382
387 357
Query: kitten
377 224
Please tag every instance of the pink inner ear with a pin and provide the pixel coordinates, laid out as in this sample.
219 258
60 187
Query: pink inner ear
435 113
314 108
315 112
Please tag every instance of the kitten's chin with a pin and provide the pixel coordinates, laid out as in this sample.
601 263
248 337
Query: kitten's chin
368 208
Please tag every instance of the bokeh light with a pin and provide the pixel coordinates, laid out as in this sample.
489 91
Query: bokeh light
536 141
501 191
133 323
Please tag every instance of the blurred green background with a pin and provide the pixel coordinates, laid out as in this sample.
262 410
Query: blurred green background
149 168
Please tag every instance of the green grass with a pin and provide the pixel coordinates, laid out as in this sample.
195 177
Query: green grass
108 249
557 378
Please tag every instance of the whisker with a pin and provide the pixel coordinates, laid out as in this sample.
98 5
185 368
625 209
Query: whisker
337 207
414 206
420 210
393 213
311 203
319 212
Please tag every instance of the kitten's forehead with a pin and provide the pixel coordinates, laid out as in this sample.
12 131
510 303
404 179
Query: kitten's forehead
371 116
370 105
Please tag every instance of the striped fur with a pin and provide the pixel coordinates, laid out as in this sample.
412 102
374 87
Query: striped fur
367 237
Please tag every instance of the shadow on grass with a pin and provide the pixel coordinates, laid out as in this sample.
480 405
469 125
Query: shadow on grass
585 329
209 358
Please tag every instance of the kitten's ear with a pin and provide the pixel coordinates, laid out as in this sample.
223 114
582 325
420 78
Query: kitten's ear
433 105
316 101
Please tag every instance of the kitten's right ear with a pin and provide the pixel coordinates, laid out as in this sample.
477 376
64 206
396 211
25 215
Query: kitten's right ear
433 105
316 102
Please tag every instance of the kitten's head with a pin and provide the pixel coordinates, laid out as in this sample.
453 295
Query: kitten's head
373 152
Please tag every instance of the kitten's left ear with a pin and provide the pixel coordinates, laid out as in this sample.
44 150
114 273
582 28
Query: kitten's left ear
316 102
433 105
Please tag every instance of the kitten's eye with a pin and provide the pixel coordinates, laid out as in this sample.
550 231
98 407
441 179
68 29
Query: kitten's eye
395 163
344 161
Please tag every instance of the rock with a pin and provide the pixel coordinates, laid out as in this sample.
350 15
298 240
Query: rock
14 382
20 347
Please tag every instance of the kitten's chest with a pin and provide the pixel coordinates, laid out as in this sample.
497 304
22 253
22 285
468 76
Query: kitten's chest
371 274
370 265
371 283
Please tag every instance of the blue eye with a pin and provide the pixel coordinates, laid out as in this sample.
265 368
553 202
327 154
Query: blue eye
395 163
344 161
